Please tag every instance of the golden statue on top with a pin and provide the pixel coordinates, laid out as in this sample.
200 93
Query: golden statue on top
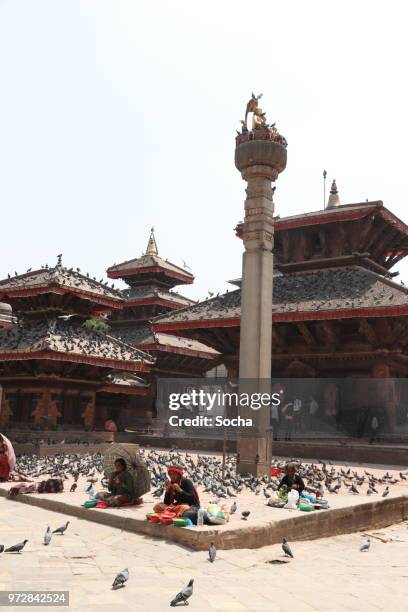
258 117
259 123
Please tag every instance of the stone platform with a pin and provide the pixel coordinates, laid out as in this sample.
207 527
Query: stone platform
350 515
335 449
344 450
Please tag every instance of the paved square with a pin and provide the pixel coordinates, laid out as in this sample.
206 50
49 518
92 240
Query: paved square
325 575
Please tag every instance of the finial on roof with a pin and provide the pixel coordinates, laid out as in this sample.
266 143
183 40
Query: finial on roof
151 245
334 199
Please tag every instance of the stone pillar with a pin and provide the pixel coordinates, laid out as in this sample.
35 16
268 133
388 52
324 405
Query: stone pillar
257 276
260 158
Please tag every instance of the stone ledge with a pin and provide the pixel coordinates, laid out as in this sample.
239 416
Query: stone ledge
305 526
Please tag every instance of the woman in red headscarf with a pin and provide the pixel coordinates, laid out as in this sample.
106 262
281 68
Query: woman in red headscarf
180 493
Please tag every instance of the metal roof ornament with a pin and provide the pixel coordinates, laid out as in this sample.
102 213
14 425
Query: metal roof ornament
151 245
334 198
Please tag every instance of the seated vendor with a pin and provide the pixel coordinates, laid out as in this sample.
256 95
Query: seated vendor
292 480
4 462
180 493
121 490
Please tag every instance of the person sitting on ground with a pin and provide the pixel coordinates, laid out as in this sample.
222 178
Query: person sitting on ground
4 462
292 480
121 489
180 493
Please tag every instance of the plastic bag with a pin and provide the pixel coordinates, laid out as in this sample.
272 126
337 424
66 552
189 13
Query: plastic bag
293 497
216 515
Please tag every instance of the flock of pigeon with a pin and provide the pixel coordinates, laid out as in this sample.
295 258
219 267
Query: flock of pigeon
17 548
208 472
219 481
329 289
57 335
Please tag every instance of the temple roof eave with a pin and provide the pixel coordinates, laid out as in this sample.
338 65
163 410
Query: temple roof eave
344 212
25 355
59 280
178 274
310 295
109 303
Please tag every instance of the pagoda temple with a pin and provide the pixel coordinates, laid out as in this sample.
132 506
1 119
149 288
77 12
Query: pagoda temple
337 312
54 370
151 281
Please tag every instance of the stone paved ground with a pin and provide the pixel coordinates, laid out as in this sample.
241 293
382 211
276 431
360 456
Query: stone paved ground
325 575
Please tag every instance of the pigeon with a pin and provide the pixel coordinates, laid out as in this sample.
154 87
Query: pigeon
385 493
212 552
184 595
286 548
120 579
245 514
47 536
233 508
61 529
17 547
365 546
73 487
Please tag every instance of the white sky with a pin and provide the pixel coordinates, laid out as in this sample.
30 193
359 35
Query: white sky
118 115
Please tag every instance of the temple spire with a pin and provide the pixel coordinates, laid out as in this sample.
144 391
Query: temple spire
151 245
334 199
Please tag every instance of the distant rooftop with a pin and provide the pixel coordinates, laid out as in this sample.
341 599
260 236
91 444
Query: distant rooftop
150 264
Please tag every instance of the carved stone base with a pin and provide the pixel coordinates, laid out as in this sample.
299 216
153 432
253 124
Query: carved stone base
254 456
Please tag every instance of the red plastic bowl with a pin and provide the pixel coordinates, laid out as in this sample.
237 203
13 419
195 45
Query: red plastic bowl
154 518
276 471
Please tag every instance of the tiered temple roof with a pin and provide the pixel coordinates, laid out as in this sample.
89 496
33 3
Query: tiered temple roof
366 233
335 305
150 268
150 279
49 288
51 304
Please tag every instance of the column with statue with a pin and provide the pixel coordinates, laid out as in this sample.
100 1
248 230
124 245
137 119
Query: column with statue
260 156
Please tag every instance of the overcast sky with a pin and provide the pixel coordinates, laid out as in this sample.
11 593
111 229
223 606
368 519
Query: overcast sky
118 115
